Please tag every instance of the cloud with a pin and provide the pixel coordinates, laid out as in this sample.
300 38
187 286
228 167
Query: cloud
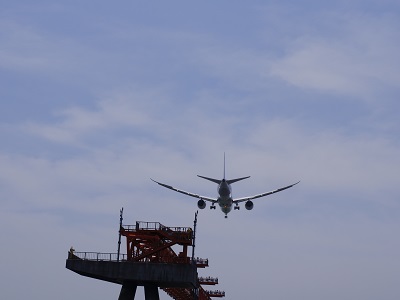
74 124
359 59
175 101
27 49
125 140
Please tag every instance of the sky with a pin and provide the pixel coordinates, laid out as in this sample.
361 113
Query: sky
97 97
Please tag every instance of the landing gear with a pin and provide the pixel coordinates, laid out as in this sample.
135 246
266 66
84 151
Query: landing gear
212 207
226 216
236 207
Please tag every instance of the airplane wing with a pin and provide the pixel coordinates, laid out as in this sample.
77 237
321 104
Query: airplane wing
263 194
213 200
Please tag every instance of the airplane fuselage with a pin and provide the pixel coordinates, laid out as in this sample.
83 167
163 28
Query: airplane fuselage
225 199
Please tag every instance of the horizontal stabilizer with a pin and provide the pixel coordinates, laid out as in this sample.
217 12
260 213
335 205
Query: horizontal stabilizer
217 181
237 179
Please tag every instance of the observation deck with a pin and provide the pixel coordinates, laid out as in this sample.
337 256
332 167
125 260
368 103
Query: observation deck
149 261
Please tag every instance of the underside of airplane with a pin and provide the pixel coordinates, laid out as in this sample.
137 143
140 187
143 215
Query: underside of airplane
225 201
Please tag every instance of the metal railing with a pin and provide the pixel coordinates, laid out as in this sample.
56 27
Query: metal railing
200 261
216 293
208 280
141 225
97 256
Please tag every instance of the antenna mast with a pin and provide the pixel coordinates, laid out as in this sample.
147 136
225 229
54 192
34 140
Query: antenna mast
120 226
194 234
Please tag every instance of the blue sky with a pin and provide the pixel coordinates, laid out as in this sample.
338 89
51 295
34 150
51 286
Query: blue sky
97 97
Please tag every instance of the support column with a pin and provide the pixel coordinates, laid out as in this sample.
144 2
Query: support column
151 292
128 291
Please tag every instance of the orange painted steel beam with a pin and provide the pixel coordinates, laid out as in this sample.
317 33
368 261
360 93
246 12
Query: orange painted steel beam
152 242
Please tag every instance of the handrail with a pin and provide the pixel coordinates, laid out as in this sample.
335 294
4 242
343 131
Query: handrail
200 261
209 279
97 256
216 293
142 225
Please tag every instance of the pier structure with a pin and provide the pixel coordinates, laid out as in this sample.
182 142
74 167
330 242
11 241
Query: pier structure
150 261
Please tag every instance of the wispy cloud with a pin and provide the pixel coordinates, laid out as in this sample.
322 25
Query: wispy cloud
356 60
118 133
291 93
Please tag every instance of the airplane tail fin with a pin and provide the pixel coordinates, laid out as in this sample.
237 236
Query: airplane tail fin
218 181
224 165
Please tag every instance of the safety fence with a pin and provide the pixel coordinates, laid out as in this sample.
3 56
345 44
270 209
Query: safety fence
96 256
141 225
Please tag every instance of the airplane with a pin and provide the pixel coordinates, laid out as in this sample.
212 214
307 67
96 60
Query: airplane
225 200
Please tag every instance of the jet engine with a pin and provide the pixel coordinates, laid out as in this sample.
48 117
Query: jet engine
249 205
201 204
